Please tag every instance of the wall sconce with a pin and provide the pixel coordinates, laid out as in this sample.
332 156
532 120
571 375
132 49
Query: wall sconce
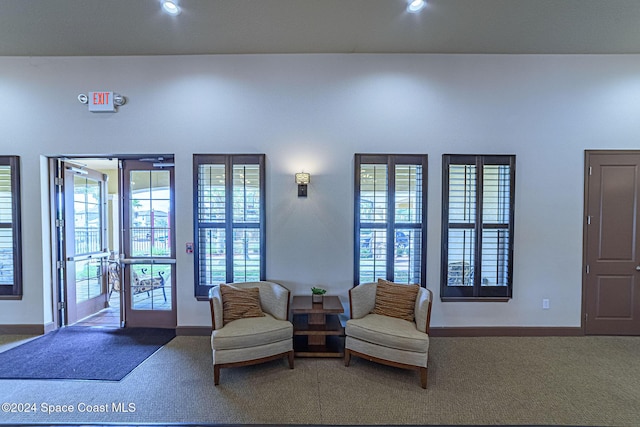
302 179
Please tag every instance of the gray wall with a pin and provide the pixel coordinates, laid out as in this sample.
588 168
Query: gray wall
312 113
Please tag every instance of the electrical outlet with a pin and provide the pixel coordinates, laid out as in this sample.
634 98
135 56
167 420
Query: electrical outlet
545 304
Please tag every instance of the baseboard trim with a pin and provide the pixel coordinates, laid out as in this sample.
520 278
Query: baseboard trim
193 330
22 329
506 332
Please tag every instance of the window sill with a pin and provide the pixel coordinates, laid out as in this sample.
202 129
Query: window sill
11 297
475 299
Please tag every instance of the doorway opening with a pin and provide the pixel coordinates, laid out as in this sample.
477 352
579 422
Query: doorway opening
115 251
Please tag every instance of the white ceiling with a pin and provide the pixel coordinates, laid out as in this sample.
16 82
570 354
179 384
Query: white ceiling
138 27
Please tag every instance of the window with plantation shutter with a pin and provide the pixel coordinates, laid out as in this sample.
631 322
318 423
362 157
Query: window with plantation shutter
10 230
477 229
390 209
229 219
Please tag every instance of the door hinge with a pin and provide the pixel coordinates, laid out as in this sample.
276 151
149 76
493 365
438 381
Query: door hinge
62 305
58 181
588 269
588 219
590 170
60 265
60 223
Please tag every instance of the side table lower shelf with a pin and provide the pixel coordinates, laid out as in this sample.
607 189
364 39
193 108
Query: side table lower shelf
333 347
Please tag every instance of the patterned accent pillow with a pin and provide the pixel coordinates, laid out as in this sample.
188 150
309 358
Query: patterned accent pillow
396 300
239 303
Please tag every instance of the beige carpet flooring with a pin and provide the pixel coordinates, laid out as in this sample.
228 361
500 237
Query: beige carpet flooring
495 380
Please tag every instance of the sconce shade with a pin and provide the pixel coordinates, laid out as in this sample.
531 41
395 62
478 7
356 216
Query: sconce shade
303 178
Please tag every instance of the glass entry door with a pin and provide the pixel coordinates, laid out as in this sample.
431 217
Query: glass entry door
85 247
148 264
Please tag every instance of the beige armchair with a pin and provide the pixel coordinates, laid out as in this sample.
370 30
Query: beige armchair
250 340
388 340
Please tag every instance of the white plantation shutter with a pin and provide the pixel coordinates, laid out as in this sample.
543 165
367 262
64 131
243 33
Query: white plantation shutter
408 221
495 225
462 217
6 227
10 229
390 199
374 212
211 218
478 197
230 209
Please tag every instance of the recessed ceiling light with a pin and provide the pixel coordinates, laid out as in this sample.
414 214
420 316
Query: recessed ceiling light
416 6
171 7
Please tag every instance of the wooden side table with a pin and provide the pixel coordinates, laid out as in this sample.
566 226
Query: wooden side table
317 329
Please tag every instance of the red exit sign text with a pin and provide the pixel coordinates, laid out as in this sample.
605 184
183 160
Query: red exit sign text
101 101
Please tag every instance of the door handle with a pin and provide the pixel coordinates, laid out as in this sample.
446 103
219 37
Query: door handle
637 267
91 256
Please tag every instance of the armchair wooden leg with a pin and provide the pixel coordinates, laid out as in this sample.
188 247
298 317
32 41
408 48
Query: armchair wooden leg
347 357
216 374
291 359
423 377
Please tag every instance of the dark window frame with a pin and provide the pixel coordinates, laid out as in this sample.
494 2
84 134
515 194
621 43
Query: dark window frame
476 292
228 160
14 291
390 160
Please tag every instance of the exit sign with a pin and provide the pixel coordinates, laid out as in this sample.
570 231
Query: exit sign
101 102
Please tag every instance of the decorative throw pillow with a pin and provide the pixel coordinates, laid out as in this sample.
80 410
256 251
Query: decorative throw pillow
396 300
239 303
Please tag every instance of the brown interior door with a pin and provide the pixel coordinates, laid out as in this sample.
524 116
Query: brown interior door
612 271
148 265
85 244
